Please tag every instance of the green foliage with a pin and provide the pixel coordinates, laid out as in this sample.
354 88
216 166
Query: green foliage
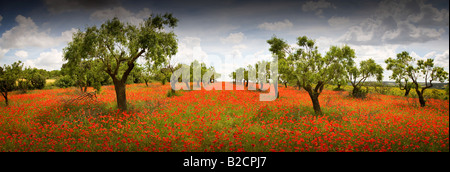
348 55
424 70
85 73
358 76
37 81
446 90
97 86
9 74
116 46
359 93
240 72
23 86
399 73
64 82
171 93
311 70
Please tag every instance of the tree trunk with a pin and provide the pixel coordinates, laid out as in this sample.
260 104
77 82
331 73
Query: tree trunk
339 87
5 95
355 91
85 89
246 85
277 94
262 86
187 85
407 91
285 84
198 83
315 101
421 98
121 95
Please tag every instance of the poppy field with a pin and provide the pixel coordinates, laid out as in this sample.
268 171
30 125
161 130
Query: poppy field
220 121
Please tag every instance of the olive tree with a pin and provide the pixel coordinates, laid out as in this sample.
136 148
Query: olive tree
312 70
117 46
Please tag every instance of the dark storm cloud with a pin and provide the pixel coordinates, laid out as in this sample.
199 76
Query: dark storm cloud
58 6
401 22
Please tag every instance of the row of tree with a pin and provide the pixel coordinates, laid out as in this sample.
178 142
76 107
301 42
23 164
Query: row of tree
109 53
16 77
308 69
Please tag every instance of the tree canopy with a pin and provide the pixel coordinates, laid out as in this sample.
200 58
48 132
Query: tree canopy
312 70
116 45
9 74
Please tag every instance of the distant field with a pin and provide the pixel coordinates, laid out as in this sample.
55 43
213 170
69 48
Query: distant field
50 81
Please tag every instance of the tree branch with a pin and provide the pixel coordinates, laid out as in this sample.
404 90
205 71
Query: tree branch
131 66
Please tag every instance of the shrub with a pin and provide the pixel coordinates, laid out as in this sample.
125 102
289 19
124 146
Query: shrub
170 93
37 81
359 93
97 86
23 86
64 82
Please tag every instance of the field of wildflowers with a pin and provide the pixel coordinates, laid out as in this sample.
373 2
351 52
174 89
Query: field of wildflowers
220 121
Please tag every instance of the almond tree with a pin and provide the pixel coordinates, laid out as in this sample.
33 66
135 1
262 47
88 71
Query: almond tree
117 46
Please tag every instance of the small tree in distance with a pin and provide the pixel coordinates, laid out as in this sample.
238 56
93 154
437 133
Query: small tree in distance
358 77
424 70
399 74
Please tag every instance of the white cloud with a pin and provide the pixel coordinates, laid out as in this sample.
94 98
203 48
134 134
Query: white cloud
51 60
27 34
233 38
416 56
237 51
123 14
317 6
442 60
21 54
189 49
324 44
3 52
377 53
277 26
338 21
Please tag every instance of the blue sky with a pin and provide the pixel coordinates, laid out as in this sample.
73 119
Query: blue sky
229 33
